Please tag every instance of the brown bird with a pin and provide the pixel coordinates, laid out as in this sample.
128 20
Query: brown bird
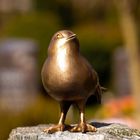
69 78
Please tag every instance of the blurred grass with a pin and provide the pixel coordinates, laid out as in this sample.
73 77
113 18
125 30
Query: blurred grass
103 33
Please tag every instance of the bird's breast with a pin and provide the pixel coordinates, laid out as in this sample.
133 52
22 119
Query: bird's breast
58 72
62 62
62 72
66 77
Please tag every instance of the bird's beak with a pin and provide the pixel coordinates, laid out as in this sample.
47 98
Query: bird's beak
71 37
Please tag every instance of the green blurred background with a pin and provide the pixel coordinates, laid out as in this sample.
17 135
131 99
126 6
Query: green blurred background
97 26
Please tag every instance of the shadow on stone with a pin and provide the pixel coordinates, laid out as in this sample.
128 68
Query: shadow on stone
100 124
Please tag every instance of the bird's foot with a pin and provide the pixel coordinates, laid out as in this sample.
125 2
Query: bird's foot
83 127
58 127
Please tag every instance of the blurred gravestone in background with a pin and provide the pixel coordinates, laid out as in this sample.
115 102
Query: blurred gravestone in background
121 72
18 74
7 6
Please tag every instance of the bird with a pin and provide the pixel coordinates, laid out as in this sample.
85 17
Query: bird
69 79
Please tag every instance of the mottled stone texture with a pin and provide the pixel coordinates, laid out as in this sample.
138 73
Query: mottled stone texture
104 132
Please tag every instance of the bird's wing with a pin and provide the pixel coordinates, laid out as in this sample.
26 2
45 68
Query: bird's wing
98 88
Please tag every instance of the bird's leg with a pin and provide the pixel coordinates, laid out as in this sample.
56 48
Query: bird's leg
64 106
82 126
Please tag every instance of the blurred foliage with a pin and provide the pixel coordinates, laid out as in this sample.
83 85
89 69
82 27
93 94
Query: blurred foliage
63 9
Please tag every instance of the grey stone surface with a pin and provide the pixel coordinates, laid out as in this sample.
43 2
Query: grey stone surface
104 132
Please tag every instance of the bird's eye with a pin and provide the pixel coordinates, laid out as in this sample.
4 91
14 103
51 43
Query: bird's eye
59 36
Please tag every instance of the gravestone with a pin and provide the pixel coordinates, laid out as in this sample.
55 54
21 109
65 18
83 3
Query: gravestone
18 73
8 6
121 72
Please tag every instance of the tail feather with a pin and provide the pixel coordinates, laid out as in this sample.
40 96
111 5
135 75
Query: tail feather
98 93
103 89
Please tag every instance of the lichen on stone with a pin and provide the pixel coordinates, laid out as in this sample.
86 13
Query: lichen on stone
123 131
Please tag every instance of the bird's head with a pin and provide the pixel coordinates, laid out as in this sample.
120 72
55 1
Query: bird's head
63 39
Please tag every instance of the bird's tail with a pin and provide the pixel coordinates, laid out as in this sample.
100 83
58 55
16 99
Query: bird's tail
98 92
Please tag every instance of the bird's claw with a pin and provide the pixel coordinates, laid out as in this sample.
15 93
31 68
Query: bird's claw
55 128
83 127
